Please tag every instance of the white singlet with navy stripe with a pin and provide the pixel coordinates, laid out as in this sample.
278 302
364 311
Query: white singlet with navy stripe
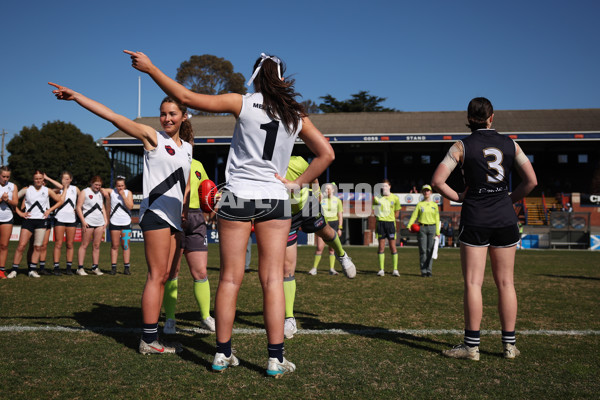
36 202
66 212
119 214
92 207
166 172
260 148
6 213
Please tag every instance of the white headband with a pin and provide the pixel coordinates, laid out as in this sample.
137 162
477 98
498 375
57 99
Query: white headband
264 57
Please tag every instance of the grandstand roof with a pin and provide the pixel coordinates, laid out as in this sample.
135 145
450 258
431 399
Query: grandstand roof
407 123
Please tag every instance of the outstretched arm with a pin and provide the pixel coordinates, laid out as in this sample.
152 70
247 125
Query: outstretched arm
223 103
139 131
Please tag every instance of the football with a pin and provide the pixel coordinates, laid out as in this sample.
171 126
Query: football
206 192
415 228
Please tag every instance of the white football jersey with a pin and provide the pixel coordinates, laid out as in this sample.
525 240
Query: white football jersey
92 207
119 214
6 213
166 172
260 148
36 202
66 212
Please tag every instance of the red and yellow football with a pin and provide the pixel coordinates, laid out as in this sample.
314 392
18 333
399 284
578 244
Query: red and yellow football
415 228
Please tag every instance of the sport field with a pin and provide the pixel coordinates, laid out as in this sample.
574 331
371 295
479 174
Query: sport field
373 337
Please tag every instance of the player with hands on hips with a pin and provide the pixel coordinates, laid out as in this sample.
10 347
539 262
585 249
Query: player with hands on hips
36 209
488 222
267 124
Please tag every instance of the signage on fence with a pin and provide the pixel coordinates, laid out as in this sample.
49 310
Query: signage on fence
590 200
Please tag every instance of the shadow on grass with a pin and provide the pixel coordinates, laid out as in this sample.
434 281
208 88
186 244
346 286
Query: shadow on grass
593 278
117 322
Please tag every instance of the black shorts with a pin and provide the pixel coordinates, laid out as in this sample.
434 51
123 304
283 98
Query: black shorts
194 232
152 222
33 224
309 220
66 224
11 221
507 236
386 230
112 227
233 208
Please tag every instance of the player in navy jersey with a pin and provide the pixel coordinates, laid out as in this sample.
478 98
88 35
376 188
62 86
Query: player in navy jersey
268 122
488 221
167 160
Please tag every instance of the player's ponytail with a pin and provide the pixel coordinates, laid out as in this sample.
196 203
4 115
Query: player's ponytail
279 95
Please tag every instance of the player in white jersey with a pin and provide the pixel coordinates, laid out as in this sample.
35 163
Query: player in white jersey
167 160
36 208
268 123
65 224
94 219
119 202
8 201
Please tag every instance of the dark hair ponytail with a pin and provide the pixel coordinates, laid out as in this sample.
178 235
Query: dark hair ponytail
479 110
278 95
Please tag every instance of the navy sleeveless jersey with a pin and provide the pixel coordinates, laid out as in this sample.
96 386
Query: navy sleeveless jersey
488 160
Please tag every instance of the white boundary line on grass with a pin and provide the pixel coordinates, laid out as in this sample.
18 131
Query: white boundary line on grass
367 332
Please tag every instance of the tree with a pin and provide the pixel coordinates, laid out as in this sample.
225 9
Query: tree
359 102
208 74
311 107
58 146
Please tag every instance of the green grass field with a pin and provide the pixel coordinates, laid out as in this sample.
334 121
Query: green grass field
373 337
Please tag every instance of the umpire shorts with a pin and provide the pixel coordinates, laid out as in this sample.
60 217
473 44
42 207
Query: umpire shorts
194 232
386 230
310 220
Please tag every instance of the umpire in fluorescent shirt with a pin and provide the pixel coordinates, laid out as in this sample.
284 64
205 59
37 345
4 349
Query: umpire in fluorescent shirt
428 216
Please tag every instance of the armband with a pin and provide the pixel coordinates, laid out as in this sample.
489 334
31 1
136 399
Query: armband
521 158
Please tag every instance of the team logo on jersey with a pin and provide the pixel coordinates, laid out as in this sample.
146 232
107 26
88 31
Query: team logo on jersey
91 196
198 175
170 150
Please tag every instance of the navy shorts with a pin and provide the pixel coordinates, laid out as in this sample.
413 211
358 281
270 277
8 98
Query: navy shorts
66 224
507 236
10 221
112 227
33 224
152 222
194 232
233 208
386 230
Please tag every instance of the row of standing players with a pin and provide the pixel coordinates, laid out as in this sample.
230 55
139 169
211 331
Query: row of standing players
267 124
89 206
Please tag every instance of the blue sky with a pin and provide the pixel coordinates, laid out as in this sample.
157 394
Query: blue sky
421 56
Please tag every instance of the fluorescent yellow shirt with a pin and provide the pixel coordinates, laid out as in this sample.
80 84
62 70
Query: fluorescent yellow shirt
427 213
385 207
296 167
331 206
198 174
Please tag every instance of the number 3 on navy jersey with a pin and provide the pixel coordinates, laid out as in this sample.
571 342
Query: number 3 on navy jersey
271 129
495 164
